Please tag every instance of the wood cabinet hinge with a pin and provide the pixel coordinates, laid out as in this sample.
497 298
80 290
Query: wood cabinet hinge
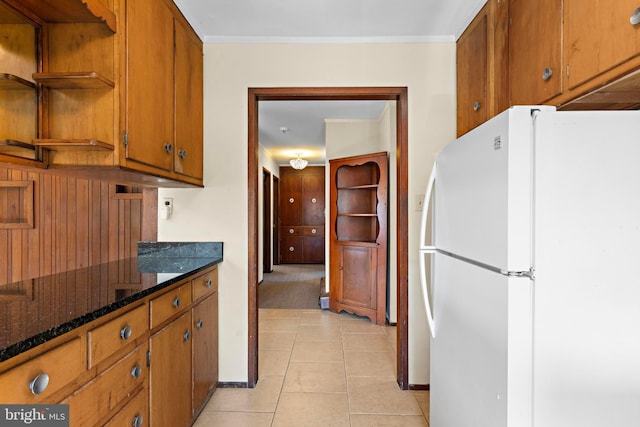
125 138
567 69
148 358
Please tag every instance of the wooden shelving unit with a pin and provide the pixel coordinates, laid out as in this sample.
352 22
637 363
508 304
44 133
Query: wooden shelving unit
358 215
73 80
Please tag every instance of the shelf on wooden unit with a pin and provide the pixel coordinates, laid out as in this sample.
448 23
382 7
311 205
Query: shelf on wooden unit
72 144
359 187
15 143
10 81
358 215
72 11
73 80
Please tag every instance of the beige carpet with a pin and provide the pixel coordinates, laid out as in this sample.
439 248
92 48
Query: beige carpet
292 286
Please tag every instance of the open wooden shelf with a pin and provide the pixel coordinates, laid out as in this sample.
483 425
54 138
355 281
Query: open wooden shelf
72 144
72 11
73 80
10 81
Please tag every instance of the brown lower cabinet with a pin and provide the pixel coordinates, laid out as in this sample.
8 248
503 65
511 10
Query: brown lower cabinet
154 363
170 374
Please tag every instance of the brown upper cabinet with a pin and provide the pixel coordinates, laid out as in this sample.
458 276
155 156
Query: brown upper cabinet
119 90
535 56
481 57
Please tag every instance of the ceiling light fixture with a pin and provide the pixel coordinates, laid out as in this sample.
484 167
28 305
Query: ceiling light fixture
298 163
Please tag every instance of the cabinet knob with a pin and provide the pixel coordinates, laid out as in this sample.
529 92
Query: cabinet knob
291 231
291 200
314 200
39 384
208 283
168 148
547 73
136 371
199 325
176 302
186 336
635 17
137 421
182 153
476 106
125 333
291 249
313 231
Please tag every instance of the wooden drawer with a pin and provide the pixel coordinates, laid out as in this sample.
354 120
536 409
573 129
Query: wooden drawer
291 230
59 366
165 306
107 339
136 413
99 397
205 284
313 231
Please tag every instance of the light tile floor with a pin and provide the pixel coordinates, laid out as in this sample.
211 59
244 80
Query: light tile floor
318 368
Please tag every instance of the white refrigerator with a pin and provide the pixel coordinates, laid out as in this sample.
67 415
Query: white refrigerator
534 251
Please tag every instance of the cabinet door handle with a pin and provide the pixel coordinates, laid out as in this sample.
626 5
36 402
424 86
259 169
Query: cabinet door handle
291 200
314 200
476 106
199 325
291 231
186 336
547 73
136 371
137 421
125 333
176 302
291 249
208 283
313 231
182 153
39 384
168 148
635 17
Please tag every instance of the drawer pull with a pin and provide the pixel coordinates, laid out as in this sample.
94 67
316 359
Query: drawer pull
136 371
291 231
547 73
313 231
476 106
635 17
199 324
137 421
125 333
314 200
176 302
208 283
291 249
186 336
39 384
291 200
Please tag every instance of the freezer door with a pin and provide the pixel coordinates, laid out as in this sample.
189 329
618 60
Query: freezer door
587 292
483 193
481 354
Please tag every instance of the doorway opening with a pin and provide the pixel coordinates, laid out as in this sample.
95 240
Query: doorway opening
397 94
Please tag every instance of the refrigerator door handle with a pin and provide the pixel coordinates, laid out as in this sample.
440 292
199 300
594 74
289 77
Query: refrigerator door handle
426 250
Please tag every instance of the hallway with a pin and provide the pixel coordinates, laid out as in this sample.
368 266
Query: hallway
318 368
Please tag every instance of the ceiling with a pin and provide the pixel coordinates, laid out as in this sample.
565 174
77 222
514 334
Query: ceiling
322 21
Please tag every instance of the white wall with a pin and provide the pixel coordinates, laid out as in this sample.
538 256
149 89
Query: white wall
219 211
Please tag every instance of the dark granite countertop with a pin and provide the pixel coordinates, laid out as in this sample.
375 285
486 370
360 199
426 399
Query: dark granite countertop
36 310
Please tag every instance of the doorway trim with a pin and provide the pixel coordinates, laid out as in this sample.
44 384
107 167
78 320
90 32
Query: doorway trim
398 94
